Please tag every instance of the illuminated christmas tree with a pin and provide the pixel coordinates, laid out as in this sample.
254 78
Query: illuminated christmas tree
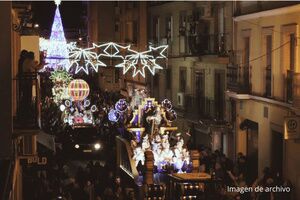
57 51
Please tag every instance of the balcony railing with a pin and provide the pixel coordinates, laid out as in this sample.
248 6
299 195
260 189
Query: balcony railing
289 86
202 107
203 44
27 99
239 79
124 159
268 89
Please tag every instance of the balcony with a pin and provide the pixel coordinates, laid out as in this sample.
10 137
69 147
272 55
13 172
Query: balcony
249 7
289 86
268 86
204 44
202 108
239 79
27 100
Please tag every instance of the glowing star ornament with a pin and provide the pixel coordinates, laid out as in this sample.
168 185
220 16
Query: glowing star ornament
158 52
112 50
139 61
84 59
136 62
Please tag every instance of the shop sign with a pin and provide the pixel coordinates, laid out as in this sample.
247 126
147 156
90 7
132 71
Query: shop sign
292 127
37 160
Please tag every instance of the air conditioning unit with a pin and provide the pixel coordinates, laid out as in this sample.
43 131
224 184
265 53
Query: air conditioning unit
180 99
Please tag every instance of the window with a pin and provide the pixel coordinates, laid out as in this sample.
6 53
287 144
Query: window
168 78
221 36
155 29
246 50
182 33
268 65
169 28
131 32
292 51
128 35
246 67
135 32
117 75
117 27
156 81
182 79
182 23
269 50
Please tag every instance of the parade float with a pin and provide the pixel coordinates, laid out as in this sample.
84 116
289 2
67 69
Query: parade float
149 128
154 154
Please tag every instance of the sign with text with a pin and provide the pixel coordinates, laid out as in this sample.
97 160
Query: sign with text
35 160
292 127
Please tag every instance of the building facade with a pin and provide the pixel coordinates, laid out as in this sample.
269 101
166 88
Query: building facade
199 39
262 86
123 23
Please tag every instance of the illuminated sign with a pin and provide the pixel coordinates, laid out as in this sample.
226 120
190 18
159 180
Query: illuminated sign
291 127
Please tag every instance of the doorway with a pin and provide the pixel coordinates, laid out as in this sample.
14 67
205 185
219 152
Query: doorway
252 152
200 92
219 94
277 152
251 129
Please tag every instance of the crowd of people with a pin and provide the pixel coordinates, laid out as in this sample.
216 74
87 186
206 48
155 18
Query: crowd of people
238 174
95 181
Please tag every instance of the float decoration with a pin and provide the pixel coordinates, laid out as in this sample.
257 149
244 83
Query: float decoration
78 89
77 110
60 80
78 113
152 130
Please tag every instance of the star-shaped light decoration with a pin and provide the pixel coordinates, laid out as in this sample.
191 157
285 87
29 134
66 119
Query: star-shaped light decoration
83 59
139 61
158 52
112 50
136 62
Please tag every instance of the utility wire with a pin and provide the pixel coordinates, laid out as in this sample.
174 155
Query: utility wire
261 56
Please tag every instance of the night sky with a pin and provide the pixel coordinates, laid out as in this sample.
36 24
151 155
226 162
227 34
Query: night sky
71 13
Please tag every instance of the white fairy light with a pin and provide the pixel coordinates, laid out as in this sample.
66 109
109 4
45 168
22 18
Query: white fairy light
62 107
